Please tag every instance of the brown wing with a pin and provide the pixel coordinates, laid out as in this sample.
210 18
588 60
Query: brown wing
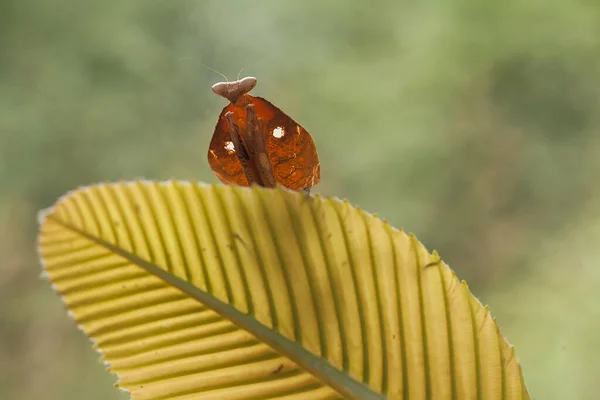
221 154
291 150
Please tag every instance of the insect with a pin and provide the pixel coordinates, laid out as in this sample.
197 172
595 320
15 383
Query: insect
257 143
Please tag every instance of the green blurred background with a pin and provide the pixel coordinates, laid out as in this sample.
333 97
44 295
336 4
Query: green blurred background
475 125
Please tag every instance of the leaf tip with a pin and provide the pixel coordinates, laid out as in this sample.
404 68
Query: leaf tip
44 275
122 389
43 214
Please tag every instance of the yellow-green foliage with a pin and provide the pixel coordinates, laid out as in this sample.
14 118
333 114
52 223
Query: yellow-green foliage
222 292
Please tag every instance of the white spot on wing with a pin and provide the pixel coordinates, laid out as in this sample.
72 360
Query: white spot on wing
278 132
229 147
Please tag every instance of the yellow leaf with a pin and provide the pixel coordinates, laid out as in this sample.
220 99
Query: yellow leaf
221 292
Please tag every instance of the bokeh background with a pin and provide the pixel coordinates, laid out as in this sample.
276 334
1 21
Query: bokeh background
475 125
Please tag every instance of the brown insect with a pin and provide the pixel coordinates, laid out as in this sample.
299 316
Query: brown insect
257 143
